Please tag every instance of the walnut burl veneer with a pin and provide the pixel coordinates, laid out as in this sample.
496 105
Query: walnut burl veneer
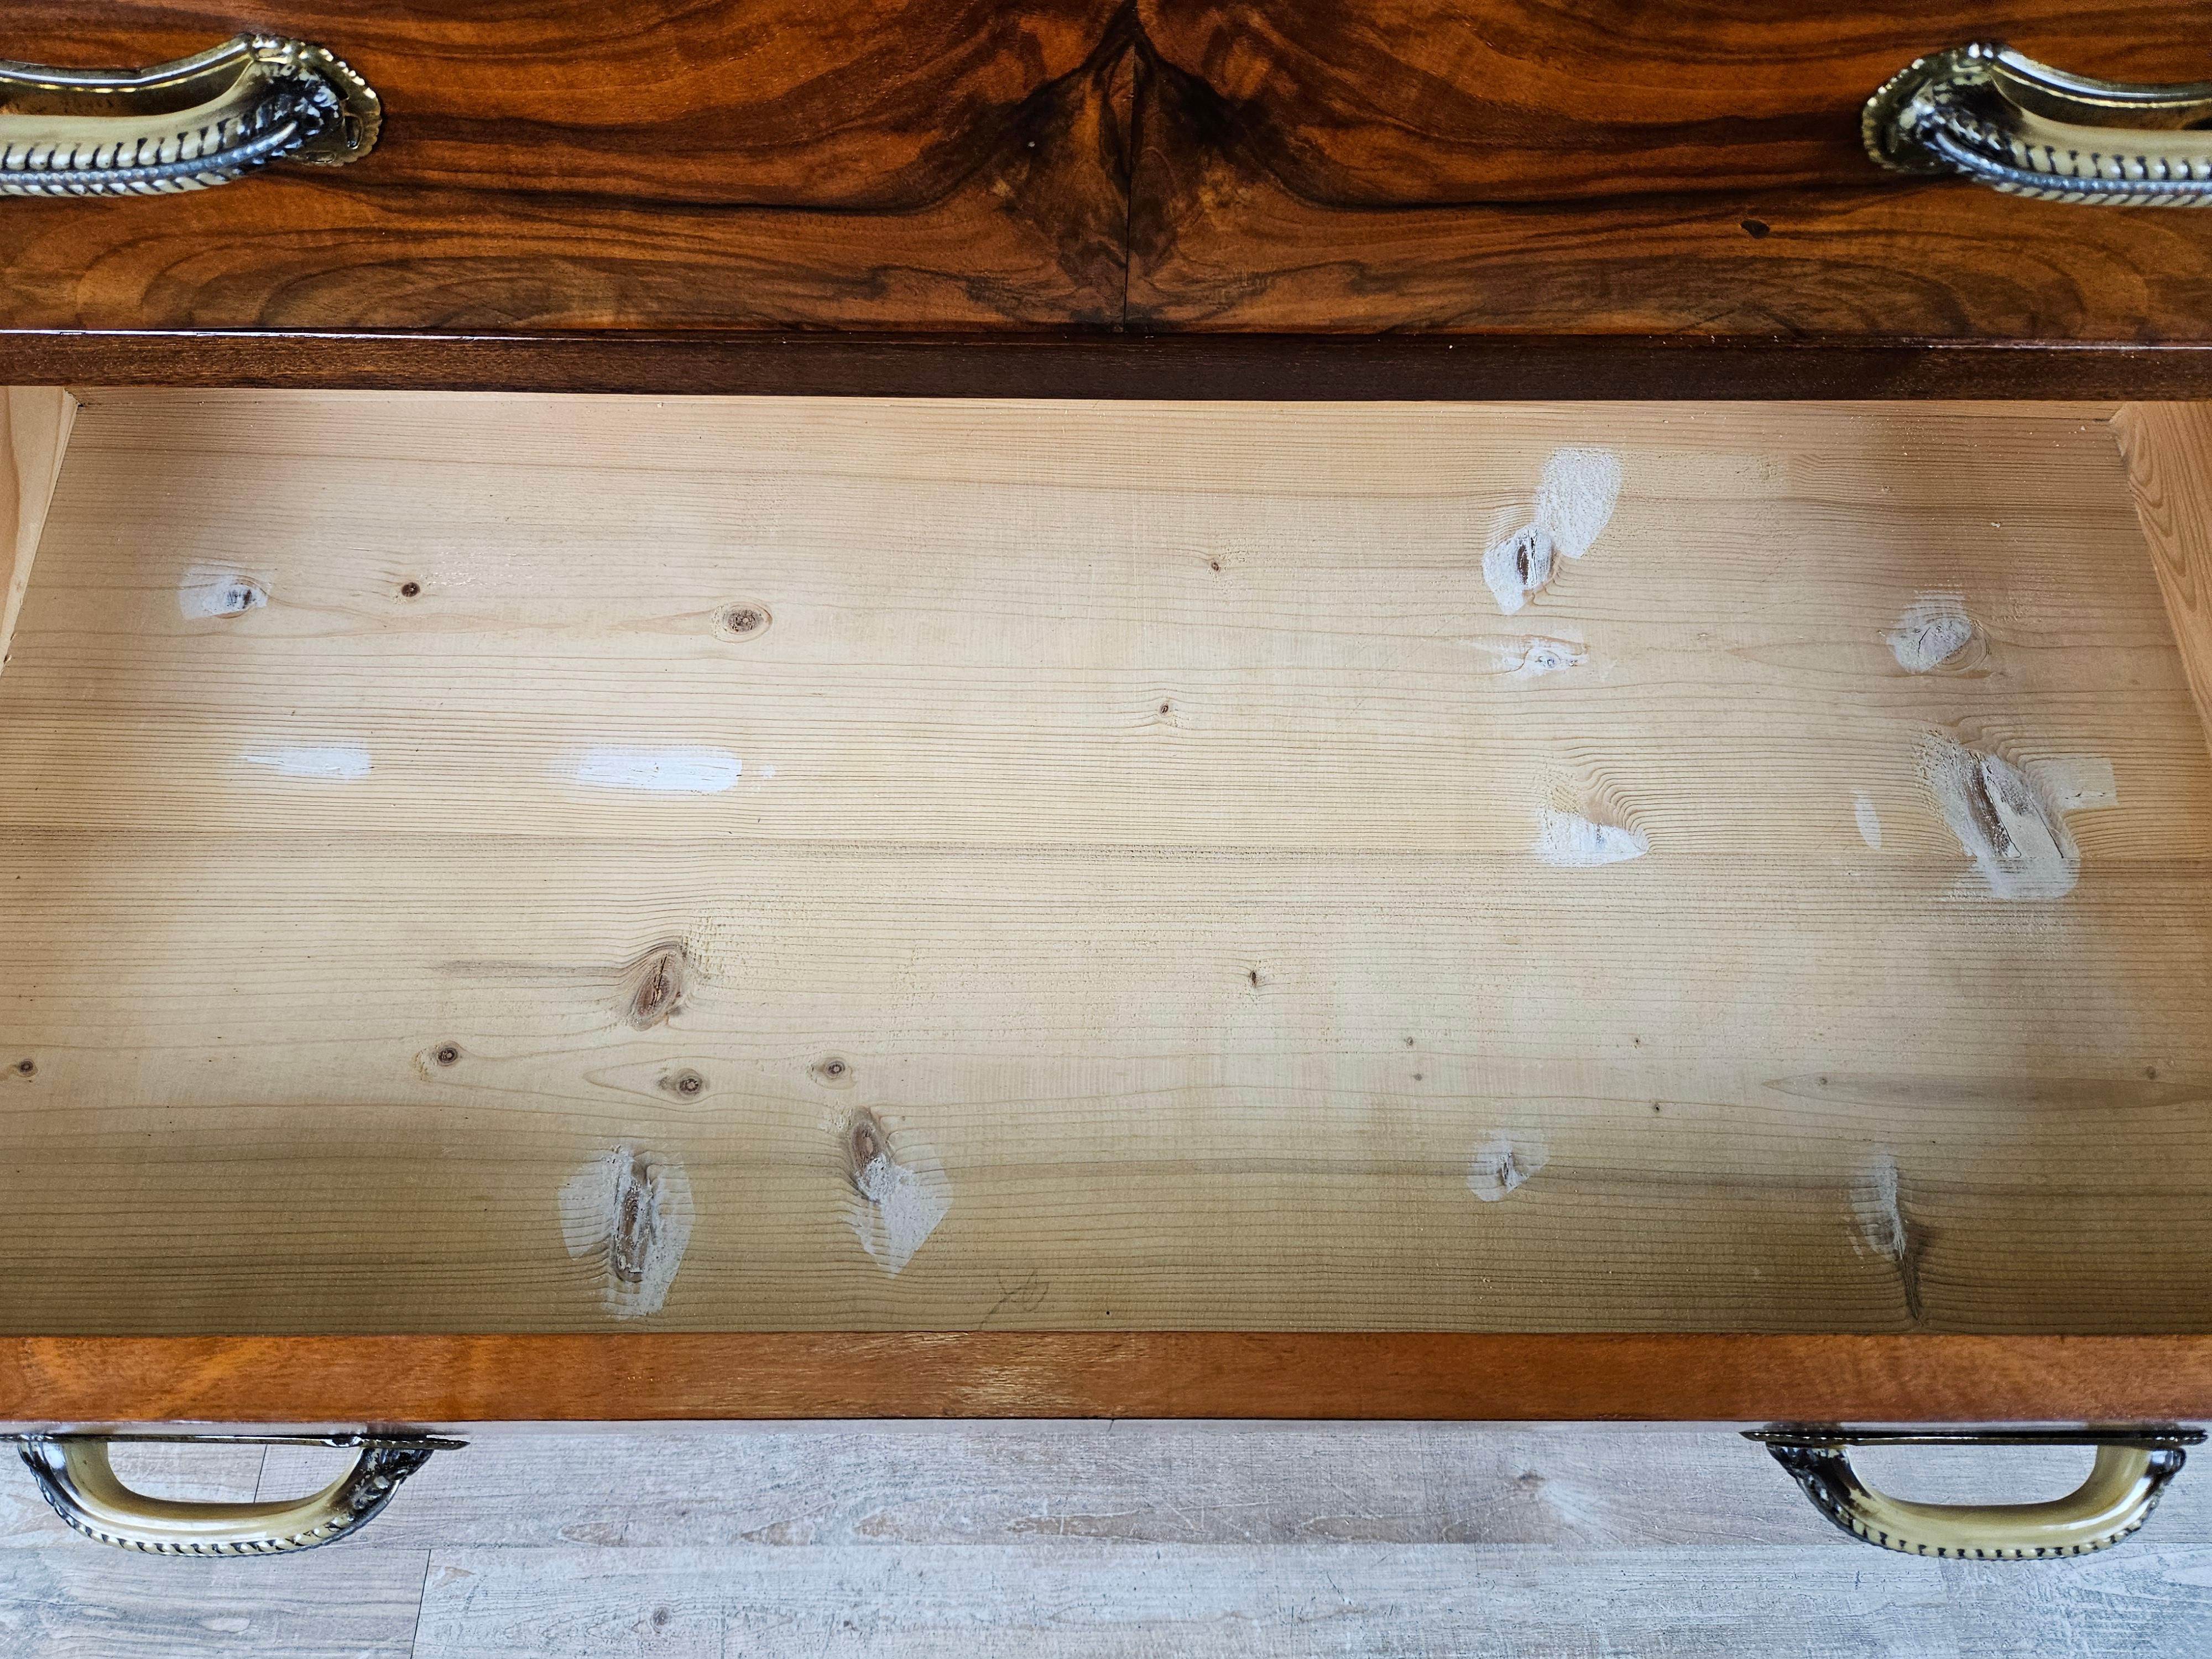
1510 174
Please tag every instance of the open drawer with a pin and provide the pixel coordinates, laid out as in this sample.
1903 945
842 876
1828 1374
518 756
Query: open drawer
526 907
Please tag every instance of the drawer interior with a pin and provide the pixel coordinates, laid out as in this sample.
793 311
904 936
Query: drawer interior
475 862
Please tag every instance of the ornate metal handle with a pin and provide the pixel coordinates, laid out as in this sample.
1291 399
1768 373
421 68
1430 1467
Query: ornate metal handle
187 125
2123 1488
74 1472
2017 125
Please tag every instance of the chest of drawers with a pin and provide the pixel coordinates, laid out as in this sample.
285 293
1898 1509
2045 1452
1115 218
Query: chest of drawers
1186 824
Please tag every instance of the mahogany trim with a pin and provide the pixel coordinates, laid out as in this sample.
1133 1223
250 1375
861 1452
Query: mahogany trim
1331 1376
1101 364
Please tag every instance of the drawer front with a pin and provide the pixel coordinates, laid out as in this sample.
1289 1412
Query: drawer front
1487 167
945 163
1623 168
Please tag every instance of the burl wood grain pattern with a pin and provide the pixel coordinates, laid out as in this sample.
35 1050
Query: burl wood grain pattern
1617 167
479 864
1497 168
943 163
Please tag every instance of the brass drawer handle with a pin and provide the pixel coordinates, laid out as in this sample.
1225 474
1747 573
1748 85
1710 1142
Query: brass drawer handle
2019 127
75 1473
198 122
2123 1488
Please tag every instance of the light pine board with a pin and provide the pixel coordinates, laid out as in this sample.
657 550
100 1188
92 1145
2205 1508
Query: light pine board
2169 453
35 433
1131 1539
1174 930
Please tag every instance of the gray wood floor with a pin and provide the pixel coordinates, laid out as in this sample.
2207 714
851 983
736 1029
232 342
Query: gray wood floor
975 1542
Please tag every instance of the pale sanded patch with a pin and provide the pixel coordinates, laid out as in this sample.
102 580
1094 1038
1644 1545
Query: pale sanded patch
337 761
1575 501
684 770
630 1213
1869 821
214 591
1504 1163
1571 842
2017 839
1935 631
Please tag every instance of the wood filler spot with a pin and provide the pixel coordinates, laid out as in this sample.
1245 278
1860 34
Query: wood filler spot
1880 1229
1571 842
630 1213
1575 501
337 761
2075 783
209 591
894 1205
653 986
2016 838
682 770
1502 1164
1869 821
1529 657
1935 632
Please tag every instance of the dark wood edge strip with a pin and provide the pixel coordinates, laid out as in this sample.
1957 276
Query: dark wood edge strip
1419 366
676 1376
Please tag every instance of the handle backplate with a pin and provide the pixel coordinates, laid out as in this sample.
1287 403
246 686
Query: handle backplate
198 122
1998 116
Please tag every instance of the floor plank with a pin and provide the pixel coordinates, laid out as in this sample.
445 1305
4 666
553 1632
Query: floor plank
1129 1539
77 1600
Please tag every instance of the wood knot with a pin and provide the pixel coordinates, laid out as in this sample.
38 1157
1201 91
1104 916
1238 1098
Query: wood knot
865 1142
832 1072
741 621
686 1083
446 1054
653 986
